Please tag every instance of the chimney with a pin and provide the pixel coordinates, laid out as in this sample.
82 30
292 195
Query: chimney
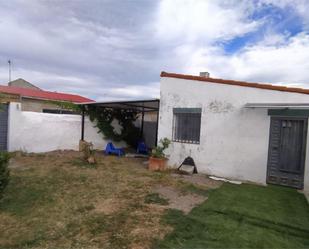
204 74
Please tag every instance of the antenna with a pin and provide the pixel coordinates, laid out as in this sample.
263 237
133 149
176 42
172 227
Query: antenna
9 61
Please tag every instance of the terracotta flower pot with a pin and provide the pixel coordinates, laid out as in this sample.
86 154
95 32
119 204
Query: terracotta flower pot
157 164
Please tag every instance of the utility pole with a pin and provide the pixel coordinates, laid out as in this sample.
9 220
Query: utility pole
9 61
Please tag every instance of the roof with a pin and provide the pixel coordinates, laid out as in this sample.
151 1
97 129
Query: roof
236 83
146 105
23 83
41 94
278 105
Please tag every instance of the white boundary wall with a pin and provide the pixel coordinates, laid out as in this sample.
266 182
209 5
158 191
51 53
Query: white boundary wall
42 132
234 140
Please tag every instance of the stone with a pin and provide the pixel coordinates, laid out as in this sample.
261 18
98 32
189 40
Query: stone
91 160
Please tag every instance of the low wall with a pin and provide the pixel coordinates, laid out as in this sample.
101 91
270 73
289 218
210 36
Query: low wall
42 132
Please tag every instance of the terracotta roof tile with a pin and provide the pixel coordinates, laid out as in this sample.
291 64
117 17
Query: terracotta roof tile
40 94
236 83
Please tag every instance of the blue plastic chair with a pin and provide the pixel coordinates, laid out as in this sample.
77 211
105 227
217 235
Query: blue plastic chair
110 149
141 148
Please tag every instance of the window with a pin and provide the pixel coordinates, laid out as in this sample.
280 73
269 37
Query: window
57 111
187 125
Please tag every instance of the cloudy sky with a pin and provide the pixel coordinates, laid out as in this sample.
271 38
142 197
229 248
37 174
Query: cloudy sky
111 49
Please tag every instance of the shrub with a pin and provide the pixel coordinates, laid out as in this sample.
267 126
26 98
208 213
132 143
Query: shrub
158 151
4 171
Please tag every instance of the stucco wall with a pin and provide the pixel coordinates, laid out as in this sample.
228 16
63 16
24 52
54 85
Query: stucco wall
42 132
37 105
234 140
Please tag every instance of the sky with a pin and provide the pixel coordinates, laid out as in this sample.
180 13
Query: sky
115 49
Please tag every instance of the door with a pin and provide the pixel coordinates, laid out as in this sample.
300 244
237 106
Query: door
149 133
287 148
3 126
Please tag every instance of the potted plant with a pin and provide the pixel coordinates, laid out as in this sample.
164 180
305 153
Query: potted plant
157 160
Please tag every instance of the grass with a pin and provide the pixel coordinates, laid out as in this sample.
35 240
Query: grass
155 198
55 200
242 216
80 162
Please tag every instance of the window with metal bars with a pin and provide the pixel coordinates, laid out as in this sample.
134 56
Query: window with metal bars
187 125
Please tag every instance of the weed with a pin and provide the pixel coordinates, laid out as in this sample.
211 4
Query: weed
82 163
96 224
156 199
86 208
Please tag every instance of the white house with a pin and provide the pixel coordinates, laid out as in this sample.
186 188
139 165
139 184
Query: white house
238 130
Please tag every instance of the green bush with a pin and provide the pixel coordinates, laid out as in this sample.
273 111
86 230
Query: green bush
158 151
4 171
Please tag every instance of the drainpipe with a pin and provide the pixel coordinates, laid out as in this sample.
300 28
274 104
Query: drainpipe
142 126
83 123
157 127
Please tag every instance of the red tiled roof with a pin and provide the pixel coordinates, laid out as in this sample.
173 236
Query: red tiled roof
40 94
236 83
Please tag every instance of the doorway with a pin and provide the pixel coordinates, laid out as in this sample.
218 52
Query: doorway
287 150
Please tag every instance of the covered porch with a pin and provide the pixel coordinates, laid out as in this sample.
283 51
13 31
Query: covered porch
148 115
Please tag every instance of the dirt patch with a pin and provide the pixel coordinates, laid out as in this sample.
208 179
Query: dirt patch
178 200
14 164
150 227
109 206
198 179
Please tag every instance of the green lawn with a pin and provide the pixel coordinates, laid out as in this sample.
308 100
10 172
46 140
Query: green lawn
55 200
242 216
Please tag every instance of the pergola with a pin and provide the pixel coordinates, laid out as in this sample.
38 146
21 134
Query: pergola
139 106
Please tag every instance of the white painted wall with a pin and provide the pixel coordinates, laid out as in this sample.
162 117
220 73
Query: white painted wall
234 140
42 132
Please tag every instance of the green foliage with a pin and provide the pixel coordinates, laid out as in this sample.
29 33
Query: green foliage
156 199
104 118
158 151
67 106
242 216
4 171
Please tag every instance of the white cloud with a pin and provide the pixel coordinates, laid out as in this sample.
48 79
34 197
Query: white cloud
300 6
206 21
197 32
107 50
134 92
266 62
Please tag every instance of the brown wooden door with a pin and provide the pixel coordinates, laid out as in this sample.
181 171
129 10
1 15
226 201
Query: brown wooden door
287 148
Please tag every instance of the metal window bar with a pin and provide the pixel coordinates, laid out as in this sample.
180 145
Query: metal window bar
186 127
